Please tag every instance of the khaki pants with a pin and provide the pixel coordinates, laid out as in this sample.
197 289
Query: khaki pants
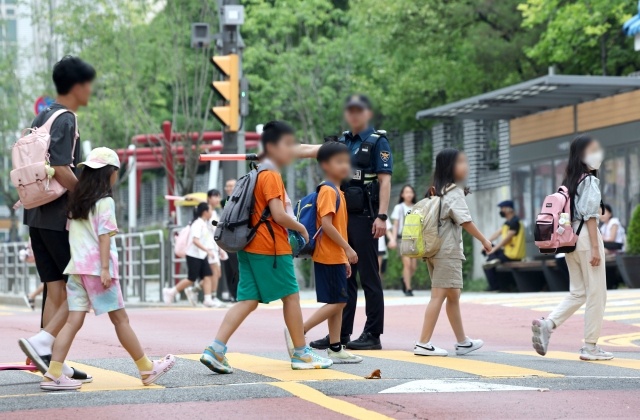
587 284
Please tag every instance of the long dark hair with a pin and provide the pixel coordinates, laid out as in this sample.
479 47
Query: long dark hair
93 185
401 200
444 174
199 211
576 168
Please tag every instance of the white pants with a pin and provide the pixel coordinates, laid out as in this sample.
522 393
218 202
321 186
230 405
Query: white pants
587 284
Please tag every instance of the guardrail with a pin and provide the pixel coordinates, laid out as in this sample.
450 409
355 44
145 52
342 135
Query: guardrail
15 276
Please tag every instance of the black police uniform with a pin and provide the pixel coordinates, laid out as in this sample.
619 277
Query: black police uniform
370 156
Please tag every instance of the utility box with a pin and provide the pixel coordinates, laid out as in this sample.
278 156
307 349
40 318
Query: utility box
233 15
200 35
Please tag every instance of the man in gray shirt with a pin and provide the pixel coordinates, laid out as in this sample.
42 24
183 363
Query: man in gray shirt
73 79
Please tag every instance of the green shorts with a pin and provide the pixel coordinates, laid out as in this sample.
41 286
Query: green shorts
260 281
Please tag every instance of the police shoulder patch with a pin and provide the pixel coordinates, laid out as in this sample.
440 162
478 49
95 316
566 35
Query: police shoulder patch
385 156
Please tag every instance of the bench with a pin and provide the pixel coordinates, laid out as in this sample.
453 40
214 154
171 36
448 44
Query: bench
528 276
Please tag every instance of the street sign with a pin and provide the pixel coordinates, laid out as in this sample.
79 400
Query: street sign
42 103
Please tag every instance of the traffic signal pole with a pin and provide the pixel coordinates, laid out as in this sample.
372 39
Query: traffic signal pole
231 44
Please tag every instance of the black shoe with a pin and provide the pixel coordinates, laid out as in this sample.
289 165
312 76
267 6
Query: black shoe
408 293
365 342
323 343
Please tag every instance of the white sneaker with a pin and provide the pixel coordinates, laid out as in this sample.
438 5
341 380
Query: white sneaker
168 295
343 357
192 296
471 345
595 353
428 349
542 329
214 303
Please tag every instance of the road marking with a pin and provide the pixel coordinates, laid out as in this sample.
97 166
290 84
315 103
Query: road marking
460 364
452 385
565 355
622 317
621 340
108 380
278 369
314 396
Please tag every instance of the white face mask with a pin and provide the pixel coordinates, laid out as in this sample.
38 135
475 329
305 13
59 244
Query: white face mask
594 160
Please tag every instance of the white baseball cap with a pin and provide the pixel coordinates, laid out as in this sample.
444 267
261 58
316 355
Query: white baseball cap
101 157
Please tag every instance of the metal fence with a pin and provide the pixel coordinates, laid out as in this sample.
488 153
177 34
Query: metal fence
147 263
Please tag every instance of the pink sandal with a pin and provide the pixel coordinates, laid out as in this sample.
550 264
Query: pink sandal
63 383
160 367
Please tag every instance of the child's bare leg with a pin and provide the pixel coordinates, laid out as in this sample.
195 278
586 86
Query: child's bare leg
234 317
453 313
215 278
36 292
183 284
431 314
293 318
63 341
125 334
323 314
335 323
207 286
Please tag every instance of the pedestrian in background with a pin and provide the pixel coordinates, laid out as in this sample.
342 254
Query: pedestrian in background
266 262
587 273
445 269
217 254
367 197
409 265
199 251
93 272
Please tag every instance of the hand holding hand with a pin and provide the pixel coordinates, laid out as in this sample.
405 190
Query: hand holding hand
488 247
392 244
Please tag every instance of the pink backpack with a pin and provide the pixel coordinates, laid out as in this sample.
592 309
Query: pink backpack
30 158
182 242
551 234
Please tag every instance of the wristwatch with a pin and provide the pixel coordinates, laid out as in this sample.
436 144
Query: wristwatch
382 217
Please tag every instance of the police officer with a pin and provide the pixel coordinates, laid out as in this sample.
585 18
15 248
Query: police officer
367 198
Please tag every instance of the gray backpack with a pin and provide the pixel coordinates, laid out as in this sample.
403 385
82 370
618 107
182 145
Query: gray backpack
234 230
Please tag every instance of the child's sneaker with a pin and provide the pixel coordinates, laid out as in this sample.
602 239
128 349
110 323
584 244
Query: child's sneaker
168 295
215 361
160 367
541 333
428 349
343 357
309 360
595 353
63 383
289 342
214 303
468 346
192 295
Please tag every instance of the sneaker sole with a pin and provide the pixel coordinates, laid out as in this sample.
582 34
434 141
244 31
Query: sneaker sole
467 351
308 366
429 354
595 358
345 361
50 388
26 347
215 366
538 344
159 375
374 347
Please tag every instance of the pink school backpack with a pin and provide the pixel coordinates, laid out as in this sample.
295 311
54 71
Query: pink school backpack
30 158
554 234
182 242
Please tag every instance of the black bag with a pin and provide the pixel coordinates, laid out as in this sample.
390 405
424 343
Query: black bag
355 197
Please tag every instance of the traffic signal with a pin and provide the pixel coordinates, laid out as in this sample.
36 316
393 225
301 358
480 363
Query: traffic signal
228 115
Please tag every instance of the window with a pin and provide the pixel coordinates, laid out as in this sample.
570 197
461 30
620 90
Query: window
8 30
492 147
542 183
521 192
560 167
613 178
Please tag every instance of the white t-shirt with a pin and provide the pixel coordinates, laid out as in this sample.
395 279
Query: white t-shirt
606 228
399 212
200 230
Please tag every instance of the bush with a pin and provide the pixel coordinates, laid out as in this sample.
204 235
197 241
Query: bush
633 233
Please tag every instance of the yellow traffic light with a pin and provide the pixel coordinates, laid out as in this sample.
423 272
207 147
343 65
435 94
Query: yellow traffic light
228 115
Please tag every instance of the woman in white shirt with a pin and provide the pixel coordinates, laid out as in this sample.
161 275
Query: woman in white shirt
409 265
613 233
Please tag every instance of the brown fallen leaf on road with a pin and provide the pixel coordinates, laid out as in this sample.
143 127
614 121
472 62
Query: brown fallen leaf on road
376 374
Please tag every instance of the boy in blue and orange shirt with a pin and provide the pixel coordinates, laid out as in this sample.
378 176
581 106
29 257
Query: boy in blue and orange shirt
266 263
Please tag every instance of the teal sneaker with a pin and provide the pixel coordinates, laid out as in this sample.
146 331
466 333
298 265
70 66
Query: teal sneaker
309 360
215 361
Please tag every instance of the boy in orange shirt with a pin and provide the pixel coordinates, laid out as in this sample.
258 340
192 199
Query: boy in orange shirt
266 263
332 257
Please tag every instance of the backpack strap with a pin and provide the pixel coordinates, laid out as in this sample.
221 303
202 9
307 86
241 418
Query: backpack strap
49 123
330 184
264 219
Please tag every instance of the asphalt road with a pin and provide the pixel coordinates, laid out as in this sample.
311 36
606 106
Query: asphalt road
503 380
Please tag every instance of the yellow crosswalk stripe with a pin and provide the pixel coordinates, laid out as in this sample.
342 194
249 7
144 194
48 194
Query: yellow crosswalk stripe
108 380
565 355
345 408
621 340
278 369
460 364
622 317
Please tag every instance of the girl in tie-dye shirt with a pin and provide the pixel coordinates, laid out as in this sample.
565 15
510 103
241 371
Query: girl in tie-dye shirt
93 271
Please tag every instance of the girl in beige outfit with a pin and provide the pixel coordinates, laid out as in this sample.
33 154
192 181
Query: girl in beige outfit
445 269
587 276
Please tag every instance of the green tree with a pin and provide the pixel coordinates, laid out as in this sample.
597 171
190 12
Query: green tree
582 37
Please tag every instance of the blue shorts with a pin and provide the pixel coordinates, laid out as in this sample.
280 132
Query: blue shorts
331 282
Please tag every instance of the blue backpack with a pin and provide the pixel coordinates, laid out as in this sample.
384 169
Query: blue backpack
307 212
